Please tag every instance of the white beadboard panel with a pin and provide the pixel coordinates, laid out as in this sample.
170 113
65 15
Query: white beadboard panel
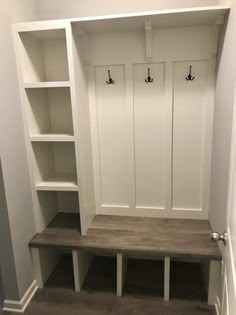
149 134
189 121
112 135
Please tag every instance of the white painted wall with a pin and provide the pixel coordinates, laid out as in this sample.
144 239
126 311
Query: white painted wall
224 99
13 157
57 9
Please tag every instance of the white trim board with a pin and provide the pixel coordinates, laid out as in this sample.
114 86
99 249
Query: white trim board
217 306
51 24
20 306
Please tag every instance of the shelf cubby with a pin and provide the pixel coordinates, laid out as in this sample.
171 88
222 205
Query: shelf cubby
59 210
44 56
62 276
101 276
144 277
54 166
186 281
49 114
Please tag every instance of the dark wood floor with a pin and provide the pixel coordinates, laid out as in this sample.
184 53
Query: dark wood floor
133 236
143 291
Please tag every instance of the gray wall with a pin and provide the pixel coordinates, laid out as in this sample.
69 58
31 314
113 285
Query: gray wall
16 216
225 84
1 291
7 264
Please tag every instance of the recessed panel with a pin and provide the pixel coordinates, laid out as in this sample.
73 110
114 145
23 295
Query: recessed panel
188 135
112 135
149 130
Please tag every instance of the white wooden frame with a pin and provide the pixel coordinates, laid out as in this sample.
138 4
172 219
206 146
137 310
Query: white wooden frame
195 13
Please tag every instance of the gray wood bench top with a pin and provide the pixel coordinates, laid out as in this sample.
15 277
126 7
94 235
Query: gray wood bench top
144 237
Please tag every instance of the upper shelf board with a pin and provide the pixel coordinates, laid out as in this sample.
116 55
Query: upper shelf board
133 22
162 19
49 34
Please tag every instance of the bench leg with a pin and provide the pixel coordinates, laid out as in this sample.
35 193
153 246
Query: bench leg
167 279
214 280
121 271
44 261
81 264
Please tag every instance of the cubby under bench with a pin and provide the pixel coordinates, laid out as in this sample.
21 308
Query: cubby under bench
167 242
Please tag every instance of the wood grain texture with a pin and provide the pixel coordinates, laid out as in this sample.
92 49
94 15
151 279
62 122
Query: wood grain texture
144 237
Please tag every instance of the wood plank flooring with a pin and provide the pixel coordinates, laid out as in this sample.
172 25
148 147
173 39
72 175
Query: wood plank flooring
143 291
147 237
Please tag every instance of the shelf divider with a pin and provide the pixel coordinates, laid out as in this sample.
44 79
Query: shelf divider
52 138
49 84
58 183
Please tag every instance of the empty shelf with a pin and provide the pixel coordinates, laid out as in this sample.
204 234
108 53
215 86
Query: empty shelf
52 138
59 183
50 84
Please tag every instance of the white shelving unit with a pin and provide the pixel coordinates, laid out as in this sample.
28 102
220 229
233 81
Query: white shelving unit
84 135
130 148
51 122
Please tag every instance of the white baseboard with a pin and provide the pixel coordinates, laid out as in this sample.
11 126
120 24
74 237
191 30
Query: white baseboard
217 305
20 306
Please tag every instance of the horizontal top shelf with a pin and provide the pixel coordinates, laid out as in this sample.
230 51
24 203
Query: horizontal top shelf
157 20
50 84
52 138
58 183
133 21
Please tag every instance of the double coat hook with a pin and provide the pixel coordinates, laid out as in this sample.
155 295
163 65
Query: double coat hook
190 77
149 79
110 81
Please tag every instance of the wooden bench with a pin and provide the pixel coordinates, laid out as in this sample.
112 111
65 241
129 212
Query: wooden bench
125 237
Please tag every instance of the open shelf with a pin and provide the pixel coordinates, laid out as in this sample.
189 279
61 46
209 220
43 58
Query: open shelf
59 209
55 166
49 114
44 57
144 277
186 281
101 276
62 276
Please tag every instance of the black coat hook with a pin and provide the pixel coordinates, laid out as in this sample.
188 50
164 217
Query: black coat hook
149 79
190 77
110 81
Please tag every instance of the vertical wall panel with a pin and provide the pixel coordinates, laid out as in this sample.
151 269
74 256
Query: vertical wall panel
149 125
188 135
112 135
